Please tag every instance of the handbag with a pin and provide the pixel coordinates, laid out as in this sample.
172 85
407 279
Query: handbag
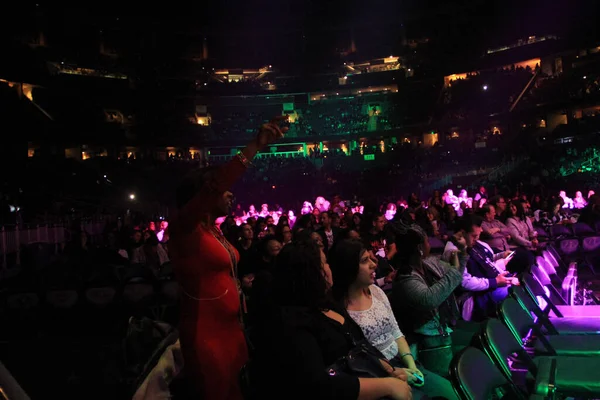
362 361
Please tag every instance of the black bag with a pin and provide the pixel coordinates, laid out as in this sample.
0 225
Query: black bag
362 361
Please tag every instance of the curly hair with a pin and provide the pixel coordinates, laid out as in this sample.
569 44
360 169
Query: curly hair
299 277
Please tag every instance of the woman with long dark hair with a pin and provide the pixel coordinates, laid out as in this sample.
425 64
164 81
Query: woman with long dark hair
205 264
521 232
422 297
353 271
307 333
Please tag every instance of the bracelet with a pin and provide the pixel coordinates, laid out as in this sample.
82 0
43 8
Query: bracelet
406 354
243 159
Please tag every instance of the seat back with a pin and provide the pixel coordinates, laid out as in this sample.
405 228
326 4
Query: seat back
137 292
520 294
63 299
545 265
541 275
532 285
19 302
582 229
516 318
100 296
590 244
568 247
541 232
559 231
499 343
550 255
485 384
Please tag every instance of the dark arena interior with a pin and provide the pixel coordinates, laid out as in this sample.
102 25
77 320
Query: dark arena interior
300 200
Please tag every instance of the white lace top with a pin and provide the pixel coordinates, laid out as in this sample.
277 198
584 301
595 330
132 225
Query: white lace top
379 324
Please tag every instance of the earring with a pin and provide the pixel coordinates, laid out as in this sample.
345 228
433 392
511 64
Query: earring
421 252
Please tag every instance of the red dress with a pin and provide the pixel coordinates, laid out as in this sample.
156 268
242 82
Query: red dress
211 336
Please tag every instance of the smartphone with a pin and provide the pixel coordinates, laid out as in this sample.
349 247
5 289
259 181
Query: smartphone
419 379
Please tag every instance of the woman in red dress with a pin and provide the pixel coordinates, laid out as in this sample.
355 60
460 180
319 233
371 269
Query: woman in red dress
211 333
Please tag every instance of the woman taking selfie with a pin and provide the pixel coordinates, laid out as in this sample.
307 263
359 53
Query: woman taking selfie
205 264
353 271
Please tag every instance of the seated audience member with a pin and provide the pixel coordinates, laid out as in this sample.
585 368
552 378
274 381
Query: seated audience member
305 332
283 233
495 233
579 202
480 198
499 203
322 204
485 279
327 231
591 213
452 200
380 242
353 272
422 297
568 202
307 208
348 234
390 211
521 232
151 254
268 249
554 216
248 250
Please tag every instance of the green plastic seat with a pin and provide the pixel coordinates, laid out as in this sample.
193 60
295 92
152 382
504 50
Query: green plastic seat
568 376
523 326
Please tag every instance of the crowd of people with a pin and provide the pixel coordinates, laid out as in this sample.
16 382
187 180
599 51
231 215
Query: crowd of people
318 287
405 280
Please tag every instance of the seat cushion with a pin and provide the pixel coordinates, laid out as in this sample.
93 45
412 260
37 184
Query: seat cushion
577 326
571 345
575 376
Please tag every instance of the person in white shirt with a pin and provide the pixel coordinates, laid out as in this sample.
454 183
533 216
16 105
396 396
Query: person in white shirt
568 201
579 202
353 272
161 233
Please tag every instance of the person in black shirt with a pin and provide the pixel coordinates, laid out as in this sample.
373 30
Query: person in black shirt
305 332
380 241
328 232
248 255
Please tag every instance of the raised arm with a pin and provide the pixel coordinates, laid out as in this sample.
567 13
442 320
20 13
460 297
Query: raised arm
222 178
